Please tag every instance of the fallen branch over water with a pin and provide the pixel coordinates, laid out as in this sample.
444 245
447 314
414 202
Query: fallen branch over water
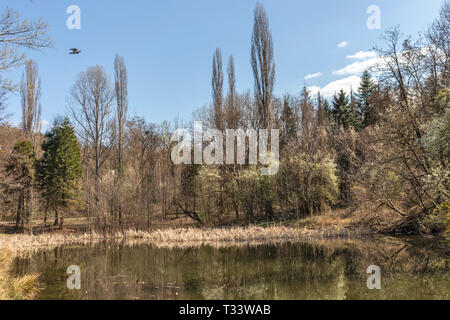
22 245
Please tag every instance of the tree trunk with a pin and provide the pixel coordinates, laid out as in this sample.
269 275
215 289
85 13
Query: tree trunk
19 218
45 216
56 217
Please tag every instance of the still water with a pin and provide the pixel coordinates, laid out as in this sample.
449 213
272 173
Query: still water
332 269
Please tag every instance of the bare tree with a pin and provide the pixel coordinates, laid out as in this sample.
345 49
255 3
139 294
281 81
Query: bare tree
232 108
307 114
232 118
439 48
90 108
143 144
30 93
121 89
5 88
3 95
263 66
217 89
15 34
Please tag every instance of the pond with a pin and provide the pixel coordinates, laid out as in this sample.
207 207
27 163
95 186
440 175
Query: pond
411 268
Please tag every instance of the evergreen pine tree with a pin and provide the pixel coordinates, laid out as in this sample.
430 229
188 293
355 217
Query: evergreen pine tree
328 109
342 110
322 112
289 127
60 169
356 121
364 92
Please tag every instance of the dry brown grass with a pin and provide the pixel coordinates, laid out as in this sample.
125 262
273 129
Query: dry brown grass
338 219
184 237
17 288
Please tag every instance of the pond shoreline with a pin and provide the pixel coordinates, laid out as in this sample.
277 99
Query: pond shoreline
24 245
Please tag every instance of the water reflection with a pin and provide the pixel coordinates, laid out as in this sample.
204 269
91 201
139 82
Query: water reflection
332 269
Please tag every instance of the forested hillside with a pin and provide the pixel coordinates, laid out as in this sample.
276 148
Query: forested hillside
378 155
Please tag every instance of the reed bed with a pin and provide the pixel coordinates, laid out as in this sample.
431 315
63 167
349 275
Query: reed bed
17 288
22 245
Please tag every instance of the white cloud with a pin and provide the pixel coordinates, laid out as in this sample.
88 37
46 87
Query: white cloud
332 88
343 44
313 75
44 125
363 55
357 67
314 90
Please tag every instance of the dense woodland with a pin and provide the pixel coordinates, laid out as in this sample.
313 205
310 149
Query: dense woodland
380 153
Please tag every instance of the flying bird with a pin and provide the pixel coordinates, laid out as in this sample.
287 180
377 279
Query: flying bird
74 51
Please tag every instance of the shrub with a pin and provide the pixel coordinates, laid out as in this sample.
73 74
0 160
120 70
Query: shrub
310 182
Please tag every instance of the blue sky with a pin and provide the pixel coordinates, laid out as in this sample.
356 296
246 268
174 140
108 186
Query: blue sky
168 46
